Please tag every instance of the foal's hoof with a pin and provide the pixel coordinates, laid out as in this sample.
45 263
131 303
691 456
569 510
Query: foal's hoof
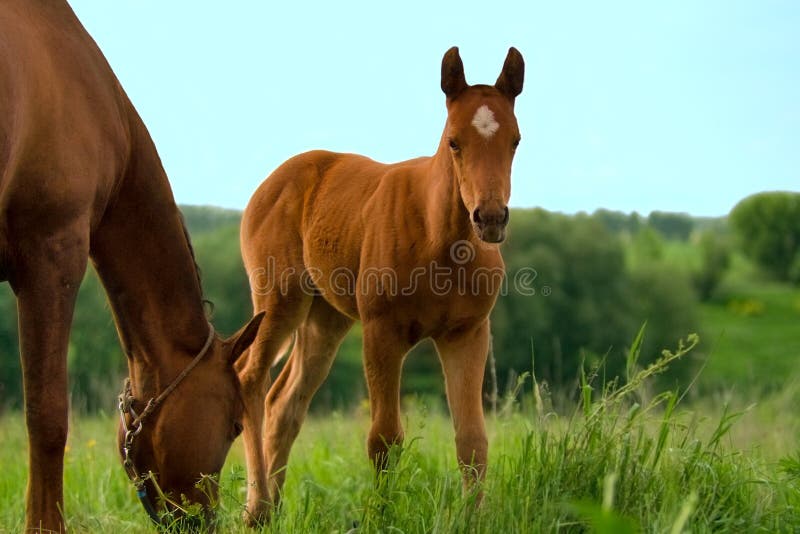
257 518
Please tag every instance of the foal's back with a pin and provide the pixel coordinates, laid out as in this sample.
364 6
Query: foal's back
328 211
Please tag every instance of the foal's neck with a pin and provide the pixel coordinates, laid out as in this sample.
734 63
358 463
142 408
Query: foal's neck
445 211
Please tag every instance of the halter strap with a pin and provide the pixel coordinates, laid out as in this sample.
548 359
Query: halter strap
153 403
126 400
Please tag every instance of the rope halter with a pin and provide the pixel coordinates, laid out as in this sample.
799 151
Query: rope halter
134 427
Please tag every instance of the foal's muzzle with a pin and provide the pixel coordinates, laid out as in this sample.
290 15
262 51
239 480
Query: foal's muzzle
490 223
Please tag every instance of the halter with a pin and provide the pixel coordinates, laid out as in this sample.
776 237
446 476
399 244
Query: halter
126 400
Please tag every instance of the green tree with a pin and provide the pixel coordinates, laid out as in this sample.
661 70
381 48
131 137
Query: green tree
225 283
589 301
671 225
10 372
95 361
715 258
768 229
618 222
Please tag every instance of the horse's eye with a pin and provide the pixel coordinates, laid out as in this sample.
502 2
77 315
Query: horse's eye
237 429
453 145
516 143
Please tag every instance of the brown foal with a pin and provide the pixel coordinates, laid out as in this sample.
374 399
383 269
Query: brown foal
80 178
409 249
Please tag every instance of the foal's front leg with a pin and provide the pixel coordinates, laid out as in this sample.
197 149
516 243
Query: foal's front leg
384 351
463 355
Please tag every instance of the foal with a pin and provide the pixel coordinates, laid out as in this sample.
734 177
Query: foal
410 249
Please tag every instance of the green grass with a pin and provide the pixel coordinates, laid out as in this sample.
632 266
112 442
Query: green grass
752 331
750 327
625 460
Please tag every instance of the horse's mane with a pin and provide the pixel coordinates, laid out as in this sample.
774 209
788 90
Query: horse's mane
206 302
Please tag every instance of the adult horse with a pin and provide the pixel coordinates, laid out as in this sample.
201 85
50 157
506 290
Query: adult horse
79 178
410 249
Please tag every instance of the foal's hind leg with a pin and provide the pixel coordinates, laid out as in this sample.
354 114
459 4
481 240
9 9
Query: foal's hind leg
318 339
46 282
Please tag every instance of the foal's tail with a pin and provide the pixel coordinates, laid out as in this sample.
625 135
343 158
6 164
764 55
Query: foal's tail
286 348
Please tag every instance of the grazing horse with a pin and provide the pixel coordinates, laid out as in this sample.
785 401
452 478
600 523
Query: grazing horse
409 249
80 178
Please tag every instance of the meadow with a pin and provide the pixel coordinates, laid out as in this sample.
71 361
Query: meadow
625 458
703 439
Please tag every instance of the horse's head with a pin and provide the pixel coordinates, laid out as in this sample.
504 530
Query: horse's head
482 135
190 432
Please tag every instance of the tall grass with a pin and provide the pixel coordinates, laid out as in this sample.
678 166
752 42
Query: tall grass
625 459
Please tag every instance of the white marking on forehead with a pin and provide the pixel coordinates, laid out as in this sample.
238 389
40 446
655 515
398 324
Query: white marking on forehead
484 122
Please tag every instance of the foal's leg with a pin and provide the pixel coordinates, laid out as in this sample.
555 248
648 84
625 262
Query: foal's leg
283 314
46 281
463 356
318 339
384 351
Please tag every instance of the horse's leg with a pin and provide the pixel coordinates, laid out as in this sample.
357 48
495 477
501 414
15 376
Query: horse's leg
284 313
384 351
318 339
463 355
46 280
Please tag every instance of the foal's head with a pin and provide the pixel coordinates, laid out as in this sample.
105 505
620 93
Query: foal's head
189 434
482 136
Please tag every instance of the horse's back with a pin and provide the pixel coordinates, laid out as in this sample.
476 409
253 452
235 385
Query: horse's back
63 133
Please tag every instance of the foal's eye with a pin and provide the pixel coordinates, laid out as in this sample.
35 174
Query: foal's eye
453 145
237 429
516 143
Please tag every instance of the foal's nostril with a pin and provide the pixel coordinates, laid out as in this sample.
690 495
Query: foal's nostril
476 216
493 217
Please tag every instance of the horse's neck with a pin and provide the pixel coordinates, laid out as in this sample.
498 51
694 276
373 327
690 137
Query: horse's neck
144 258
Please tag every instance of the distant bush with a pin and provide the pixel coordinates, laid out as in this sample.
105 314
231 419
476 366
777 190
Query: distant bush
96 363
596 302
671 225
10 370
768 230
224 279
583 265
647 246
201 219
665 299
715 258
618 222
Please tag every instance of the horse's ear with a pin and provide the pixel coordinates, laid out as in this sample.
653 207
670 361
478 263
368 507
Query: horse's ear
453 81
510 80
242 339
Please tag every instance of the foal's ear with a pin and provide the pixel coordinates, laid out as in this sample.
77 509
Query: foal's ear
244 337
453 81
510 80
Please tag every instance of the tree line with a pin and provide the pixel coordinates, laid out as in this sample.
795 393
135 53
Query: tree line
592 281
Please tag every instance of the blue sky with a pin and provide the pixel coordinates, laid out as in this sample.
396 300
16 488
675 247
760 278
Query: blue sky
627 105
